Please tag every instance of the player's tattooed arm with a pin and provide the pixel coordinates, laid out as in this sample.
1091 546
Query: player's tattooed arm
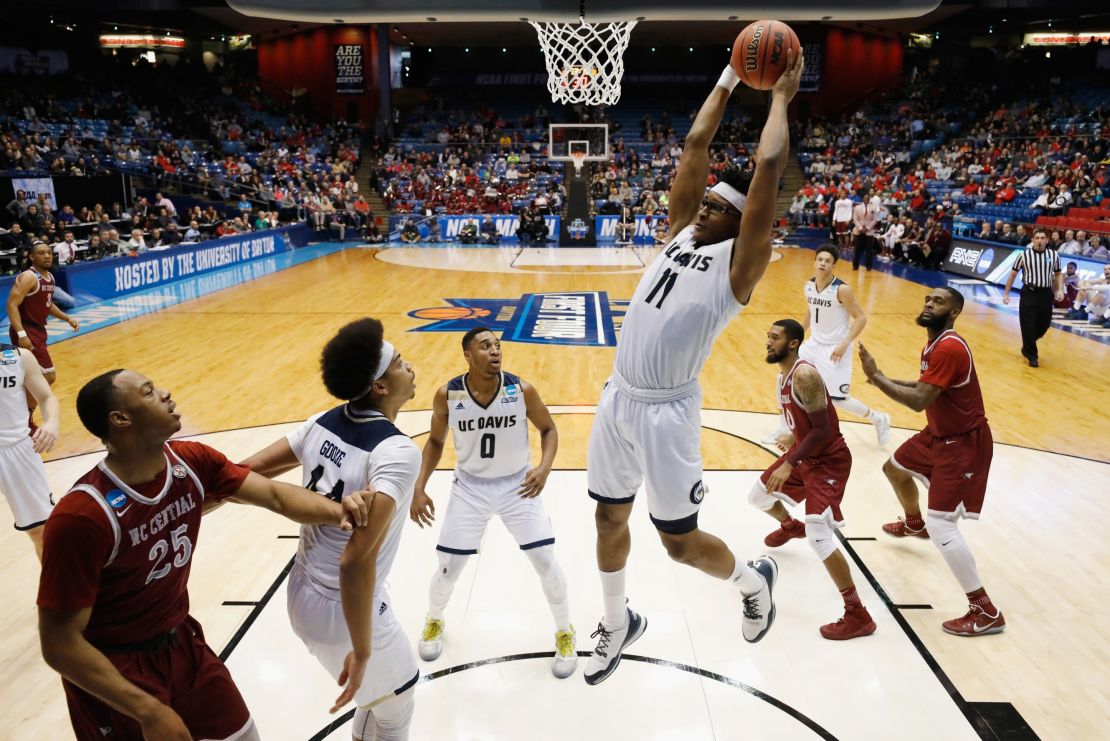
809 388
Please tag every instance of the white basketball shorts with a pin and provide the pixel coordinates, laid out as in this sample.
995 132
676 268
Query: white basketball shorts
316 615
660 441
837 376
23 482
474 500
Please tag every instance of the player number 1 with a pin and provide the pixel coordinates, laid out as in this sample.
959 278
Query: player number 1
666 282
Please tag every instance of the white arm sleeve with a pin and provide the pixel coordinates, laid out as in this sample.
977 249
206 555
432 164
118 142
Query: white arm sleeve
297 436
393 467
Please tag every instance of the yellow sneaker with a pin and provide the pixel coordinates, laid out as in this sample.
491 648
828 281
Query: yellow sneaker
431 640
566 653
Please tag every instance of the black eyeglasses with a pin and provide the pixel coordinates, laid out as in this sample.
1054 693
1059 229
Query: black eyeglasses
714 207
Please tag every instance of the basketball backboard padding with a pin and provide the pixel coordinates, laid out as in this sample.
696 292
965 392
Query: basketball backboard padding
391 11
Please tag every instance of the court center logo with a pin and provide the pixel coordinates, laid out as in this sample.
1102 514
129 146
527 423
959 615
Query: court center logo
586 318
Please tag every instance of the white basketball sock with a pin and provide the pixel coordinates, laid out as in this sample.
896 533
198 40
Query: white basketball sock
854 406
612 592
447 573
554 584
745 577
946 536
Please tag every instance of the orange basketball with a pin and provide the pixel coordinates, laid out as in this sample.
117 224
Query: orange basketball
759 53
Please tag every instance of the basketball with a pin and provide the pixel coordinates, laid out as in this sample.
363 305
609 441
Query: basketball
759 53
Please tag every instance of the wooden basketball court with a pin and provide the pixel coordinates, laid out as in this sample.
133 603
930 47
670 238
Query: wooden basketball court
242 364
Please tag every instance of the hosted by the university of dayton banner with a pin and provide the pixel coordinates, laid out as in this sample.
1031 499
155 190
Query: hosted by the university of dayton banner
96 281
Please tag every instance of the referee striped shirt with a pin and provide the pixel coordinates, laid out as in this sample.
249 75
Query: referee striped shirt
1038 268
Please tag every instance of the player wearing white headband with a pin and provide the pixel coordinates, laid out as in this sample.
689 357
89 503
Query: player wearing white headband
338 605
648 422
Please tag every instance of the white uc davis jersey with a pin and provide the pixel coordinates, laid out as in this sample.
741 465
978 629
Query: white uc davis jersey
829 321
13 399
683 302
492 440
342 450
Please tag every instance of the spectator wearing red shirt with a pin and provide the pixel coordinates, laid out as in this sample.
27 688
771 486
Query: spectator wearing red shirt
952 455
117 550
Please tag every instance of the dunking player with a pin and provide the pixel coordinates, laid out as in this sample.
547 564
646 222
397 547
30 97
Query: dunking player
117 550
487 411
814 469
648 421
834 321
337 601
951 456
22 475
30 304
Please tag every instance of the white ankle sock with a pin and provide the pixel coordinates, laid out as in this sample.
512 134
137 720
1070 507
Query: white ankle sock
745 577
612 590
856 407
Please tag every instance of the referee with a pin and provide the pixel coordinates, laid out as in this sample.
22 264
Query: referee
1042 282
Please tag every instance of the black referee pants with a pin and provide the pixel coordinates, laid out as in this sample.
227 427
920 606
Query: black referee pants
1035 315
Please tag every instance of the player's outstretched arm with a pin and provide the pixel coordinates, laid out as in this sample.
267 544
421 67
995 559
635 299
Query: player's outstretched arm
304 506
36 383
67 652
688 187
422 511
751 252
357 580
914 394
540 417
273 460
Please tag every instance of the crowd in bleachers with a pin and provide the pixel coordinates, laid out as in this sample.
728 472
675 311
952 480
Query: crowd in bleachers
212 135
995 164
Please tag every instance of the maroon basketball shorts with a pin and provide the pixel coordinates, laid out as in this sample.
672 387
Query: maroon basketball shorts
841 227
37 335
184 674
953 468
819 482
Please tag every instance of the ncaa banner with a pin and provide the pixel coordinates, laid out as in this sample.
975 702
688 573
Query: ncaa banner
350 78
34 187
993 262
507 225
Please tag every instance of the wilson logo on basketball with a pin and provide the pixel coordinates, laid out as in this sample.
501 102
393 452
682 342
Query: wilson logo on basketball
751 58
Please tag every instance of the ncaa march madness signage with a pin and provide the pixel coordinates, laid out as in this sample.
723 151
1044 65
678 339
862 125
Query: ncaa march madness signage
585 318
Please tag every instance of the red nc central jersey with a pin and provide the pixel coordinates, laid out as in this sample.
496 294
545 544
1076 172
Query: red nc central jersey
797 419
946 362
35 308
126 552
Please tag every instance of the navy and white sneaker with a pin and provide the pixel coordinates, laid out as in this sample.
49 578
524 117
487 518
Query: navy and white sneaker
611 643
759 608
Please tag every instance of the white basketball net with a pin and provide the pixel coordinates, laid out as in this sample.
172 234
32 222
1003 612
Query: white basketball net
578 158
585 61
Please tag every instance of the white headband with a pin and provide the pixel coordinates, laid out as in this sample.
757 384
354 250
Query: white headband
387 358
383 365
730 194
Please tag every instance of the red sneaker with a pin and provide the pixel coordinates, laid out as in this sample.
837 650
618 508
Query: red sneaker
975 623
788 531
856 623
901 530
